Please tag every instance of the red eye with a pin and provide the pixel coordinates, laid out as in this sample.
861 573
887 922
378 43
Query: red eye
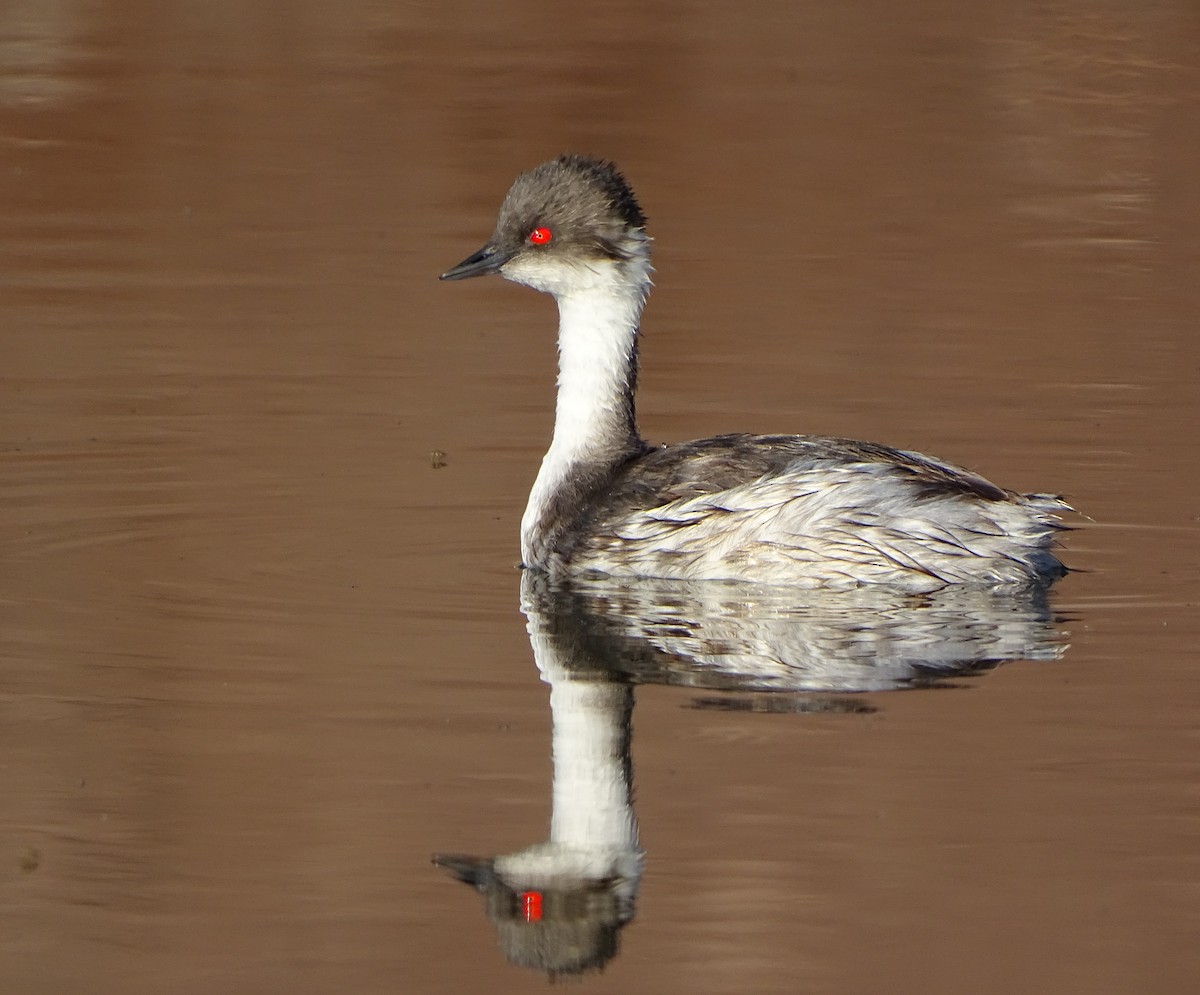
540 236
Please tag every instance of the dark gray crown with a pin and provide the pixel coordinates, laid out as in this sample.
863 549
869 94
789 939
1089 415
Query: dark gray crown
585 202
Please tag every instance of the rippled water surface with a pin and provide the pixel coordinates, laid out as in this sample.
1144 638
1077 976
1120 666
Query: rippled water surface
263 649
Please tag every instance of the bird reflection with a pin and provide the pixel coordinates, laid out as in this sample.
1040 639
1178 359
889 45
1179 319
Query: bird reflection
559 906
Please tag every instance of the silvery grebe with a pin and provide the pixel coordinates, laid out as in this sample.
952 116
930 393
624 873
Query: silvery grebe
778 509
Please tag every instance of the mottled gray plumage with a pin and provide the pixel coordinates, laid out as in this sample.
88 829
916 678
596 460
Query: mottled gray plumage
775 509
814 511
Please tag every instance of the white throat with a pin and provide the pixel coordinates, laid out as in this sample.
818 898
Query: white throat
599 309
592 809
593 829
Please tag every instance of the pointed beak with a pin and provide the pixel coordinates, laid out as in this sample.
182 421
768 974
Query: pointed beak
475 871
489 259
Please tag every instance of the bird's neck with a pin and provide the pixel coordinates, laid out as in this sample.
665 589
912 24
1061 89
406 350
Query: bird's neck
593 807
593 829
595 424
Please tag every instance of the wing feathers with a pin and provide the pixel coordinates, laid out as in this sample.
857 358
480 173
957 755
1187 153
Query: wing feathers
815 511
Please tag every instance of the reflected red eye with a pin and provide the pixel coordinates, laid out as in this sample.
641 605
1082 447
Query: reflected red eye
540 236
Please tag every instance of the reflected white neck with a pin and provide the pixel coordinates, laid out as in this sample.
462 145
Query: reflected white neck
592 810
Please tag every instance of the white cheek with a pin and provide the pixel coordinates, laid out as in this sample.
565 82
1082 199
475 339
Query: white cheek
551 275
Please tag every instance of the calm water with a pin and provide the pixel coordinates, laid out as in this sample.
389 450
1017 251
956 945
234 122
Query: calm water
262 655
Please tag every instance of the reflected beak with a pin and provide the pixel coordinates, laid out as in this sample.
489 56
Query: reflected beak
475 871
489 259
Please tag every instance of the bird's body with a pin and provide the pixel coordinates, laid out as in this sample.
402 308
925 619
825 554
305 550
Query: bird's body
779 509
796 510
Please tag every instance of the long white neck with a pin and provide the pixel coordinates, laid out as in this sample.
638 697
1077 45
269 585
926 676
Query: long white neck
593 829
592 793
595 424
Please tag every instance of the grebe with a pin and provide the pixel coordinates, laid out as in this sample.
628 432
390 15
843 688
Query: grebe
777 509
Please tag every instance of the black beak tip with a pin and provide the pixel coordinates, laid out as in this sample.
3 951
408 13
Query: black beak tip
487 260
475 871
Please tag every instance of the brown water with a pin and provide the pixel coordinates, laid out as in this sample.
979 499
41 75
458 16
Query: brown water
259 658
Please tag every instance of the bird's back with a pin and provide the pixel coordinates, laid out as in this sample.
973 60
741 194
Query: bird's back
808 511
